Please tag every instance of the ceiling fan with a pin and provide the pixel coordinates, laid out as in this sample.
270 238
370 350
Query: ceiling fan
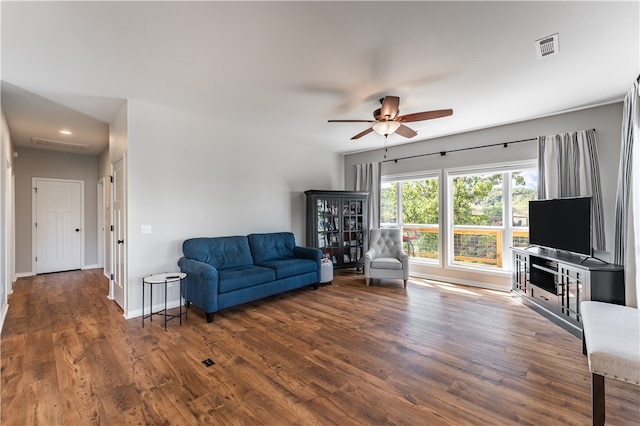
387 121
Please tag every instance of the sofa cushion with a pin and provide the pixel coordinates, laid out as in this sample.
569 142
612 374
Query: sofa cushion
272 246
290 267
243 277
219 252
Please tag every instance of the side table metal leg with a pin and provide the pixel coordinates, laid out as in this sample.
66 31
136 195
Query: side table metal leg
180 301
151 302
186 299
165 305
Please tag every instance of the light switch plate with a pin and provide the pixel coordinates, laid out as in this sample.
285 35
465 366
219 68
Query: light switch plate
145 229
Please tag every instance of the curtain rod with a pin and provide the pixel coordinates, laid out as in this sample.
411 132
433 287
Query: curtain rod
504 144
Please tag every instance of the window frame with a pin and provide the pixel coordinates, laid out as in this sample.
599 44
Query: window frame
507 214
404 177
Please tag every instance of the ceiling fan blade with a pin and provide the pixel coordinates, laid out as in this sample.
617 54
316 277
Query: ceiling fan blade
426 115
361 134
405 131
389 107
351 121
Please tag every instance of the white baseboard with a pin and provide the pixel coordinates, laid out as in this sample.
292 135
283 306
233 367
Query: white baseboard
24 274
157 307
461 282
96 266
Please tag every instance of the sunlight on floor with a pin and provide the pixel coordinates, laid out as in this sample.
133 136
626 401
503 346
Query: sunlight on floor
444 286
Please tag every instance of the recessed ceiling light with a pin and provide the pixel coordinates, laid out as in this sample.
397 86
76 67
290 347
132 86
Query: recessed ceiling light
65 132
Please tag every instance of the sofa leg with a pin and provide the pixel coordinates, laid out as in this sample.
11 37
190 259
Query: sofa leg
210 316
405 283
366 280
597 399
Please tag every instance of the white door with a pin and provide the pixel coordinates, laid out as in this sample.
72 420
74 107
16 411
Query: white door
119 231
101 225
58 206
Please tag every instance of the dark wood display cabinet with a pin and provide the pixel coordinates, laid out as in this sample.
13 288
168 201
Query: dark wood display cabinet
337 224
554 283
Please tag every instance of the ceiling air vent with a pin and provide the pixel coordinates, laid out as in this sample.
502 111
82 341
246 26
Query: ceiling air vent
547 46
51 144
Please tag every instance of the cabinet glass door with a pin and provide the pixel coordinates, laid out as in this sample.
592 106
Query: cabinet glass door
352 235
328 227
572 280
520 273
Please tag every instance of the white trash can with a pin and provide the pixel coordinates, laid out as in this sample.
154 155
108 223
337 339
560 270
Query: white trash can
326 272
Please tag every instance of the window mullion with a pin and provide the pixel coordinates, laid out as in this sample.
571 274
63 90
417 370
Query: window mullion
399 212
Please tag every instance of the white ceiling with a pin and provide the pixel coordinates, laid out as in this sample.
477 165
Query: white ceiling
285 68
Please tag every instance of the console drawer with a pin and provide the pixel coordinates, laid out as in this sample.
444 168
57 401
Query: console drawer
545 298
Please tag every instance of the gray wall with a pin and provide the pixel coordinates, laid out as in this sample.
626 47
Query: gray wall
605 119
7 270
56 165
190 175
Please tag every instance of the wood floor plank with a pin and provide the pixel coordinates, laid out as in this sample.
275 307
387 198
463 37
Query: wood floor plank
344 354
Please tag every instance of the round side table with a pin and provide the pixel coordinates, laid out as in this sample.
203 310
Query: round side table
162 279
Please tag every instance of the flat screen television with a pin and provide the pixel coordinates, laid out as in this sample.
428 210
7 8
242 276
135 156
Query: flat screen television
561 224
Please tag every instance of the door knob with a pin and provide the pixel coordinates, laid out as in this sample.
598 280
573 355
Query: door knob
77 229
120 241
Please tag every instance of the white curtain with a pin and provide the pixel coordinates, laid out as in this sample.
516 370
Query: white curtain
626 249
568 167
368 179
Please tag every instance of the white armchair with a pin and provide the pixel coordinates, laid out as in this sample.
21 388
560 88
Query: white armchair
386 258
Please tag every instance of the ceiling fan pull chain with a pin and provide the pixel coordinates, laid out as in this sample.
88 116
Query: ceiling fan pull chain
385 146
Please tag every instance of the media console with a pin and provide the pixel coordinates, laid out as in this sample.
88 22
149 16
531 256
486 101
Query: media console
554 283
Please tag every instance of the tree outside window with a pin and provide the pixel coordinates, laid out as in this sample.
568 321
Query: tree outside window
479 227
489 213
419 202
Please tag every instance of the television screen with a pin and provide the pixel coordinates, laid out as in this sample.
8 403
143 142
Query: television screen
562 224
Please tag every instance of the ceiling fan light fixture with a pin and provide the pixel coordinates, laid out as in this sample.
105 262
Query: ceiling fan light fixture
386 127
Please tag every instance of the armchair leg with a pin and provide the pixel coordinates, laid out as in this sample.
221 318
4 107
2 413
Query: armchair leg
366 280
210 316
405 283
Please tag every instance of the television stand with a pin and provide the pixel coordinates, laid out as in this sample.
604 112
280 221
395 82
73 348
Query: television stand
553 283
594 258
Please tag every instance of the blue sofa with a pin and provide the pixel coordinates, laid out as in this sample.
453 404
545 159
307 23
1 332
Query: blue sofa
228 271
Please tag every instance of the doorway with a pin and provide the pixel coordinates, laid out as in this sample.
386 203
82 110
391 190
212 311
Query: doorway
58 218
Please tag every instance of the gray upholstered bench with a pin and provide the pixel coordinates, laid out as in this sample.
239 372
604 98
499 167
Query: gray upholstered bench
611 337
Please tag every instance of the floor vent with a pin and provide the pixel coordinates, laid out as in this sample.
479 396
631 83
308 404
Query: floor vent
547 46
50 143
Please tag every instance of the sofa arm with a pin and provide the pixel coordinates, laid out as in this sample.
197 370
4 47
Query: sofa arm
201 284
308 253
312 253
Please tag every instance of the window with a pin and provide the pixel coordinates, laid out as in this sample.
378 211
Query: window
524 188
489 210
413 205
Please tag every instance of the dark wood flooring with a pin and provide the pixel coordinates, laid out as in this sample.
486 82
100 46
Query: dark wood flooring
345 354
